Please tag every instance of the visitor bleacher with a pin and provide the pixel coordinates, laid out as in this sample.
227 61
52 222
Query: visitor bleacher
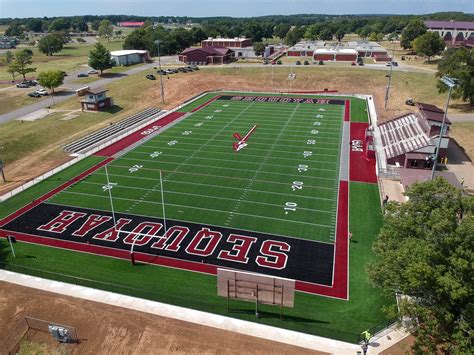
97 138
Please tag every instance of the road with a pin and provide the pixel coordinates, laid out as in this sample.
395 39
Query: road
70 87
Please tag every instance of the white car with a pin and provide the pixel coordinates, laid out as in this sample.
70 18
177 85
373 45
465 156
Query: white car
42 92
92 71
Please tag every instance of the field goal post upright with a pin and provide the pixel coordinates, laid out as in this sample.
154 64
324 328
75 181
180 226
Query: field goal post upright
258 288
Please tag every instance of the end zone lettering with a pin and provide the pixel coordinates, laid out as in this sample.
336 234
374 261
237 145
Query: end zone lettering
283 100
274 255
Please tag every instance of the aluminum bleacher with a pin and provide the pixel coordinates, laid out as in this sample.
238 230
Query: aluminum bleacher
95 139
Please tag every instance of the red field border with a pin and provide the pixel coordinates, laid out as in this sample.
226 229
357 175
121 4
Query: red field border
47 195
361 169
205 104
138 135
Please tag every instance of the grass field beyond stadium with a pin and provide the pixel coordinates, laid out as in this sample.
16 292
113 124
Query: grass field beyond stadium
284 183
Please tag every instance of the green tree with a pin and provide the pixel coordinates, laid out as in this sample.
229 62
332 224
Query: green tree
428 44
99 58
340 33
59 24
414 29
281 30
294 36
95 25
14 29
325 34
51 79
458 63
312 31
35 25
50 44
259 48
21 63
198 35
106 29
425 251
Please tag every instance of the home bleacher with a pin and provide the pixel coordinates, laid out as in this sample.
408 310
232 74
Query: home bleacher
97 138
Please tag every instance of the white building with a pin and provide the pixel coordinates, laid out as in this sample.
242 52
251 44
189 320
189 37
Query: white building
130 56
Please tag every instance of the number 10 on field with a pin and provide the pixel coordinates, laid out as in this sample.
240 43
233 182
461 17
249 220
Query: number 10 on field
290 207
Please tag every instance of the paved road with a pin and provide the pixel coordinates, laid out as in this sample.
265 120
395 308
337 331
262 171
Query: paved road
461 117
70 87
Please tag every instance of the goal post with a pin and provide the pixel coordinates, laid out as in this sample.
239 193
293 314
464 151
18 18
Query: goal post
258 288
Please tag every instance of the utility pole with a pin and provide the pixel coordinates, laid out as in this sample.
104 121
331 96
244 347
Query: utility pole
388 86
450 83
157 42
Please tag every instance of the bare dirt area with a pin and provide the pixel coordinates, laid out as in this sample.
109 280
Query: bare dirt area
104 329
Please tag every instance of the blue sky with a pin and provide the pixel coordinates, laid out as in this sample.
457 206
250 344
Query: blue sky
237 8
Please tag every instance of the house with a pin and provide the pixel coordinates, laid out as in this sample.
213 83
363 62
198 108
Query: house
96 100
454 33
410 141
130 56
242 47
206 55
131 24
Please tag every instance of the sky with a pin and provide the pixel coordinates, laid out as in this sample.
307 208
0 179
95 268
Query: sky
236 8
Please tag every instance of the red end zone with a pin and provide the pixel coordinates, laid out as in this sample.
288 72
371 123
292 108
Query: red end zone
361 168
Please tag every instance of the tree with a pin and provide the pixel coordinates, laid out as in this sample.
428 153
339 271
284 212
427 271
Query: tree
51 43
340 34
259 48
458 63
100 58
59 24
414 29
425 251
325 35
14 30
95 25
197 35
294 36
80 25
312 32
51 79
428 44
35 25
106 29
20 63
281 30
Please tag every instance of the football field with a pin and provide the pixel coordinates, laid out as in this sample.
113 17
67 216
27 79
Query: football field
284 182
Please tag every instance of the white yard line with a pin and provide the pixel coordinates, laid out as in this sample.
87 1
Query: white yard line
200 208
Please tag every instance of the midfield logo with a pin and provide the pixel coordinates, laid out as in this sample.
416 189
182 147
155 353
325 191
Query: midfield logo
242 142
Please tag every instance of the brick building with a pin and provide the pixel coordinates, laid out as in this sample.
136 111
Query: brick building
206 55
454 33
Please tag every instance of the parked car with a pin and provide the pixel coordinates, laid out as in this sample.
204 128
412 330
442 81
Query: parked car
42 92
395 64
321 62
162 72
34 94
306 62
360 63
353 63
195 67
82 75
298 62
410 102
151 77
92 71
32 82
23 85
279 62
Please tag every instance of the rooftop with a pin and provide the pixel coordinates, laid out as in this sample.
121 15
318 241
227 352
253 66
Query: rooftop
96 91
211 50
238 39
432 112
128 52
450 24
403 134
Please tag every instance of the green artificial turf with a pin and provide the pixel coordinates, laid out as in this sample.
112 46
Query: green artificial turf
359 110
12 204
205 181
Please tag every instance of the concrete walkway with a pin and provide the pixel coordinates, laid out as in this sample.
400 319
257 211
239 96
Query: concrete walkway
379 342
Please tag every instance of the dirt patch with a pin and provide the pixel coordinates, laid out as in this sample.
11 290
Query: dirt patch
104 329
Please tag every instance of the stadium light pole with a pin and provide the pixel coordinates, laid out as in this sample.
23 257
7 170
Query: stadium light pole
157 42
388 85
450 83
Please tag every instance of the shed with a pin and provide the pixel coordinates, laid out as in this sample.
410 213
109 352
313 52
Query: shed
96 99
130 56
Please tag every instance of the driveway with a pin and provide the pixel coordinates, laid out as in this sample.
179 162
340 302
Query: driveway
70 87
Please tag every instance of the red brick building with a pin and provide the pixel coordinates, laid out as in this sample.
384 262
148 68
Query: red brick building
206 55
335 54
227 42
454 33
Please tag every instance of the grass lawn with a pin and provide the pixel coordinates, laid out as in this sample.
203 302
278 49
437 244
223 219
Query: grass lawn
72 57
13 99
463 132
